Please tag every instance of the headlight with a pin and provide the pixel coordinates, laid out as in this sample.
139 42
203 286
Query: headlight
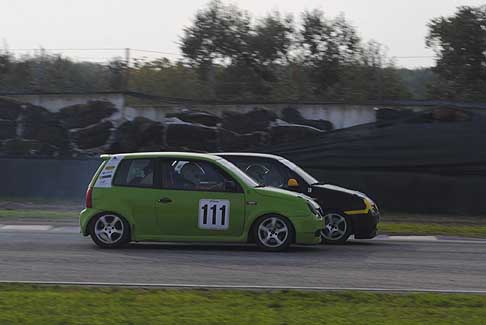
372 207
314 208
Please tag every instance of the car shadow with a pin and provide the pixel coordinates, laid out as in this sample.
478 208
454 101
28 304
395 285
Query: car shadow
365 243
355 243
216 247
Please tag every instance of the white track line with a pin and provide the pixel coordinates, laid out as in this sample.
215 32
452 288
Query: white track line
239 287
27 227
413 238
67 229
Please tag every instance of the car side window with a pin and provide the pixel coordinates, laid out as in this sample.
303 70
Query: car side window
135 172
263 171
196 175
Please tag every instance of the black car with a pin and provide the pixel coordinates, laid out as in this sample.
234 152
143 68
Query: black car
347 212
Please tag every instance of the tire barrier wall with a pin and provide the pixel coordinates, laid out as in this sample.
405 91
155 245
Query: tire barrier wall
432 161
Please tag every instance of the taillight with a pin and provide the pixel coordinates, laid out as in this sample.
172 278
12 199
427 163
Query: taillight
89 197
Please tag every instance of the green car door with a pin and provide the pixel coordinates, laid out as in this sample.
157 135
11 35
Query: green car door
135 191
199 199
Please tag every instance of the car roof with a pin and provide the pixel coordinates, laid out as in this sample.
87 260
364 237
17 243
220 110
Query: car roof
184 155
248 154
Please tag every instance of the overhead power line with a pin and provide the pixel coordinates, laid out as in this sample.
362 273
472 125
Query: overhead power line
414 57
157 52
66 49
161 51
91 49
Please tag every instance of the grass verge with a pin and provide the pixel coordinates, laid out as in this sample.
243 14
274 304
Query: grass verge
393 224
457 230
26 304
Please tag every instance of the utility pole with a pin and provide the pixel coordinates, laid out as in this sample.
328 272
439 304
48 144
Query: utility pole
39 70
381 85
127 68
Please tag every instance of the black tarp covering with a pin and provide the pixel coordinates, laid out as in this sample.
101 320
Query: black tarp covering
433 160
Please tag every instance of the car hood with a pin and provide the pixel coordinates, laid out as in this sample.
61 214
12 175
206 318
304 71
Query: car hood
340 189
336 198
278 192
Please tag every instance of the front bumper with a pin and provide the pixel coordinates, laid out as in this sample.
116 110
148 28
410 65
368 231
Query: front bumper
365 225
308 230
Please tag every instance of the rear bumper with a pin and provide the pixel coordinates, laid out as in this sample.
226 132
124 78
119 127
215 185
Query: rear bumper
84 218
365 225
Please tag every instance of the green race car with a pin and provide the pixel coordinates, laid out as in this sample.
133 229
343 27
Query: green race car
192 197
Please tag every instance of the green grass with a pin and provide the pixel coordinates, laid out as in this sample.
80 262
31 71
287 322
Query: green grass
42 200
25 304
28 213
398 228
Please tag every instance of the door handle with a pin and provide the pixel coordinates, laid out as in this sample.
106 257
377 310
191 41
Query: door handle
165 200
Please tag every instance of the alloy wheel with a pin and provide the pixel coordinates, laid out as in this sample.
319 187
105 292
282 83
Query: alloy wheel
109 229
273 232
335 227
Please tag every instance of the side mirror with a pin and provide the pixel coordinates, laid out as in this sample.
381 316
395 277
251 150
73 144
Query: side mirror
292 182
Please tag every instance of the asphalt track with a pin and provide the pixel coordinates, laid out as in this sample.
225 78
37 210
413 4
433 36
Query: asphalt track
59 254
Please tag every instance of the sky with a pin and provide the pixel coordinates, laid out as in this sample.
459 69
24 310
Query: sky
158 24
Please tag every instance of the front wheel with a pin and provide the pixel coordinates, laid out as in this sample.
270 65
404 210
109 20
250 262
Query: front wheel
109 230
337 228
273 233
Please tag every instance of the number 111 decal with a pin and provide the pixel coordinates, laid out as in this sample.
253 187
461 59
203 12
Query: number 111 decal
214 214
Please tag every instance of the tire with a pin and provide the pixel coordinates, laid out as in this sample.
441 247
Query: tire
273 233
109 230
337 228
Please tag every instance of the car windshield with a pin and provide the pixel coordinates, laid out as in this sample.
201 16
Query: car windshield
299 171
241 175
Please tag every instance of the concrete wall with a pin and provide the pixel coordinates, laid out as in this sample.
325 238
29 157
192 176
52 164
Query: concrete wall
46 178
55 102
340 115
69 178
413 192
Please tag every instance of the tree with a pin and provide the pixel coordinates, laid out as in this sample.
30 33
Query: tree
271 39
165 78
5 62
328 46
218 32
460 45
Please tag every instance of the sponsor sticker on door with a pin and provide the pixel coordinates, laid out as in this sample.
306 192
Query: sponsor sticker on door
214 214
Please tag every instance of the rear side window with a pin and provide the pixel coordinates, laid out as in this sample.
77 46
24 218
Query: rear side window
135 172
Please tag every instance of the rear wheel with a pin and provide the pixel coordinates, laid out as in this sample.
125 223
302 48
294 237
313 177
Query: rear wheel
337 228
273 233
109 230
